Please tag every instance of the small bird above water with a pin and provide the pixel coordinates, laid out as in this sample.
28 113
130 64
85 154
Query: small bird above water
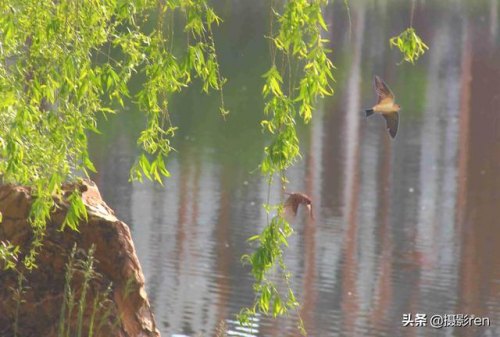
292 204
385 106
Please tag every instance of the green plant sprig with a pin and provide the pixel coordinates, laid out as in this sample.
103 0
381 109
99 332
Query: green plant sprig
8 255
263 261
409 44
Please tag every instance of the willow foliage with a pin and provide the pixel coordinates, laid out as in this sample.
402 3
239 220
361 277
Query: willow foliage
291 89
298 42
64 62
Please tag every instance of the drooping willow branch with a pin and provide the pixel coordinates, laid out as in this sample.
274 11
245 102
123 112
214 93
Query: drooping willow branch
298 40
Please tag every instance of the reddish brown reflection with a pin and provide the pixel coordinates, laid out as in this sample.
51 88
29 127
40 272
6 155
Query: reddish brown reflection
481 251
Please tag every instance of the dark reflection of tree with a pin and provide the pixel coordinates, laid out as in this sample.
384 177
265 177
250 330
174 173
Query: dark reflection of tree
383 293
349 282
113 163
465 115
309 280
493 10
335 117
480 254
332 158
182 211
223 251
156 241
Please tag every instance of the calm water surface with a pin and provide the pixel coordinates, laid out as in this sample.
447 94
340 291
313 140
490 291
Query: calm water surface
404 226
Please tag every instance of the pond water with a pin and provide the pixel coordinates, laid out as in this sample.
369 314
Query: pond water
401 227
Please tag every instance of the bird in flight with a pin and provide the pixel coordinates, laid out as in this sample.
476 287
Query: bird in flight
292 204
385 106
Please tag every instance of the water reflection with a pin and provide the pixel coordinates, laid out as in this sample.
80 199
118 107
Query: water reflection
404 226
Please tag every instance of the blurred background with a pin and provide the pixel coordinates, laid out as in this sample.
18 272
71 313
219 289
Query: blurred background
404 226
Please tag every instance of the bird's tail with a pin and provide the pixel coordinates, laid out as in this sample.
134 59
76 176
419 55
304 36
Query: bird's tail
369 112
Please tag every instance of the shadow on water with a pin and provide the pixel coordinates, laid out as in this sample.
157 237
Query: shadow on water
404 226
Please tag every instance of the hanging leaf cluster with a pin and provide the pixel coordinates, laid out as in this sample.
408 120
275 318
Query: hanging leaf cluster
409 44
269 253
300 44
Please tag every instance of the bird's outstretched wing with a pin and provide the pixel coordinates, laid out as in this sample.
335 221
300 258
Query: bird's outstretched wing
392 123
295 199
382 90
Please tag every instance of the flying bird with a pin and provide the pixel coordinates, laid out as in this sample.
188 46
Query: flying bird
385 106
292 204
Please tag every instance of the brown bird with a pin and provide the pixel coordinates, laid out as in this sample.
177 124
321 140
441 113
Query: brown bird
385 106
292 204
